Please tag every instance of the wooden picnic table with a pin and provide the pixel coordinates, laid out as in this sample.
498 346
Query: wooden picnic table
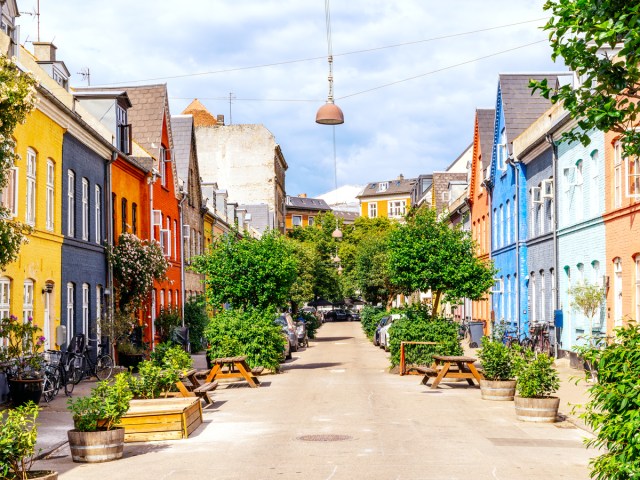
234 367
198 388
446 366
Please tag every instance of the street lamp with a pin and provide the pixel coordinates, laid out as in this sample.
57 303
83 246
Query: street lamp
329 113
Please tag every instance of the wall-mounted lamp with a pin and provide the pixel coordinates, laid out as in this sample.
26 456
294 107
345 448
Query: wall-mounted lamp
48 287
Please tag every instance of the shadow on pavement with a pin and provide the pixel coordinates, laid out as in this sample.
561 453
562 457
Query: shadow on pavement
312 366
331 339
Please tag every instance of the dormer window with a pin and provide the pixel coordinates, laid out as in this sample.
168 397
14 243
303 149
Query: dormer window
383 186
123 131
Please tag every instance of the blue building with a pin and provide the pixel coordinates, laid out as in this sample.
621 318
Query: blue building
516 109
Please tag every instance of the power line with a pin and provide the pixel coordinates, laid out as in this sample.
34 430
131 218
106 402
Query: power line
310 59
373 88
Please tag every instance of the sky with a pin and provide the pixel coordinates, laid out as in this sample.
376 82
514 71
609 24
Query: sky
408 74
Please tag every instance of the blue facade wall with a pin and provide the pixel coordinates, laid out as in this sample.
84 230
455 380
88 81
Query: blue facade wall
581 231
83 261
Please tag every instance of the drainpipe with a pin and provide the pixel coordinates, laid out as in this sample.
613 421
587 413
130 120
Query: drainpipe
554 226
184 197
514 162
110 237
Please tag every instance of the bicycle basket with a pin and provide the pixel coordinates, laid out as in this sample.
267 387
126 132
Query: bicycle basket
52 357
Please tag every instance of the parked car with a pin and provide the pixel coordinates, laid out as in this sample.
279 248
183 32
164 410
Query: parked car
376 336
338 315
384 332
355 315
289 329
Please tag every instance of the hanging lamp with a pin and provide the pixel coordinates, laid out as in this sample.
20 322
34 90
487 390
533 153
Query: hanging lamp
329 113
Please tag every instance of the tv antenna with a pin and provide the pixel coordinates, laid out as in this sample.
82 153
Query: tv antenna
35 13
85 73
232 97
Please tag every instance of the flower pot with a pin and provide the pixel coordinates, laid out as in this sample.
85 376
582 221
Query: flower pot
22 391
542 410
96 447
42 475
130 360
498 390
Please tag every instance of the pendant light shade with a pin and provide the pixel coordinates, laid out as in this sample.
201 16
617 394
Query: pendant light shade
329 114
337 233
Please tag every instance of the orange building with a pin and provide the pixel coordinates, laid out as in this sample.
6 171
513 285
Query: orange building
480 201
301 211
622 230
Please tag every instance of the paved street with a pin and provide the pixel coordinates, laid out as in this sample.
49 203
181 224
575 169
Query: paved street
385 427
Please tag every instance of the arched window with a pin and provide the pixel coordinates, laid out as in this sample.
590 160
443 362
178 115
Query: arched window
532 290
543 299
31 187
637 309
617 291
594 193
71 295
27 300
50 195
71 203
5 303
85 308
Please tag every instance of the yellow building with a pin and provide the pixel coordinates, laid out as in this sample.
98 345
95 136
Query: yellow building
30 286
389 198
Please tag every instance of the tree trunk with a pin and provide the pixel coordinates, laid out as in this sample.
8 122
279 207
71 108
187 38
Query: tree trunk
436 302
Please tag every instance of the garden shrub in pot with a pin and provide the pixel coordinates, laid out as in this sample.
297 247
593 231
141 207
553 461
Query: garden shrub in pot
537 381
499 364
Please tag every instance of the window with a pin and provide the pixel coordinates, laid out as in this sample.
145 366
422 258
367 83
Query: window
27 301
495 229
85 209
50 194
532 291
637 286
186 240
169 299
296 220
501 151
553 289
373 210
543 293
310 221
177 297
9 194
594 184
580 272
154 305
501 227
85 308
383 186
71 203
98 310
98 214
134 218
508 225
162 165
617 176
175 239
161 300
509 306
169 238
633 177
31 187
578 209
123 131
617 291
5 303
70 313
397 208
123 215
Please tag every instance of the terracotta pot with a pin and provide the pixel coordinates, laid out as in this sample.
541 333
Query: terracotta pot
96 447
542 410
498 390
130 360
21 391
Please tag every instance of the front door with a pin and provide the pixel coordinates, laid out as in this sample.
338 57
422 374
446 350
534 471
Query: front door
46 324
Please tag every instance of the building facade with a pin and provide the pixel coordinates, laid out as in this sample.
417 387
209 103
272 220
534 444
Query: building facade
388 198
301 211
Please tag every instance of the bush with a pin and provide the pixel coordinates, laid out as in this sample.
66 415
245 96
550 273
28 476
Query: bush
417 325
537 378
196 318
166 321
171 356
18 440
499 362
369 318
104 408
251 332
152 381
311 322
612 410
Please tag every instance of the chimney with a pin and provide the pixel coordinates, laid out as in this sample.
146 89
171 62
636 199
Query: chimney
302 195
401 177
220 119
44 51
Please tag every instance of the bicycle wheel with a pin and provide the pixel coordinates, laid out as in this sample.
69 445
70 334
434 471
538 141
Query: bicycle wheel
65 381
78 365
48 387
104 367
526 343
546 345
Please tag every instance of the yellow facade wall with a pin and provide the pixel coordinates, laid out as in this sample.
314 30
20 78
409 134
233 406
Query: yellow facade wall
383 206
40 260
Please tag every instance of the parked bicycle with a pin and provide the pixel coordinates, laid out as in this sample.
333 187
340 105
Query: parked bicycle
540 341
82 365
598 340
463 330
55 375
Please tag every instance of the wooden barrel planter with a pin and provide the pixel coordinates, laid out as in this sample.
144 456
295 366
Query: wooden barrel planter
42 475
541 410
498 390
96 447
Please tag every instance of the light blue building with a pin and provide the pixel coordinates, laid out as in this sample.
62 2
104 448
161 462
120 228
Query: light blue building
516 109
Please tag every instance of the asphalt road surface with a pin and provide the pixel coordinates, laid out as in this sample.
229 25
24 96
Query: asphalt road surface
335 413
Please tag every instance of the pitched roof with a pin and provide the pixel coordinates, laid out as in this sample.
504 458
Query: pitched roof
307 203
486 121
398 186
521 107
182 127
201 116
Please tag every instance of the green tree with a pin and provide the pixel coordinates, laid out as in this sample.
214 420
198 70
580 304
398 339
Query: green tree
372 271
248 272
428 254
600 41
587 299
17 99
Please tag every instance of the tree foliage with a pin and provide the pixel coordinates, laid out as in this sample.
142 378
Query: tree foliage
600 41
427 253
245 272
17 99
587 299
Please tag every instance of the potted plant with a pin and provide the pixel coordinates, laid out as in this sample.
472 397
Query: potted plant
499 363
537 380
95 437
22 359
17 444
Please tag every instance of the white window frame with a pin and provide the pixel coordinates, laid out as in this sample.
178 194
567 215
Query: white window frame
508 294
162 166
31 187
161 299
498 286
85 209
494 237
617 291
5 304
633 177
98 311
98 214
508 225
71 203
50 195
617 175
70 311
310 221
27 300
293 220
169 298
175 239
85 308
154 305
532 289
501 226
397 208
9 194
165 241
553 289
383 186
637 286
594 166
578 210
543 300
373 209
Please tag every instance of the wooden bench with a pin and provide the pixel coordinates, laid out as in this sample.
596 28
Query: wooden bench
197 389
234 367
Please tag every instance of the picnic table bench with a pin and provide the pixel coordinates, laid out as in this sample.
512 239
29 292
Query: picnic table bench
198 389
233 367
447 366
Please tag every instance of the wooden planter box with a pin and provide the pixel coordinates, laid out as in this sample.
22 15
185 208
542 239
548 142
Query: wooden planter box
161 419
